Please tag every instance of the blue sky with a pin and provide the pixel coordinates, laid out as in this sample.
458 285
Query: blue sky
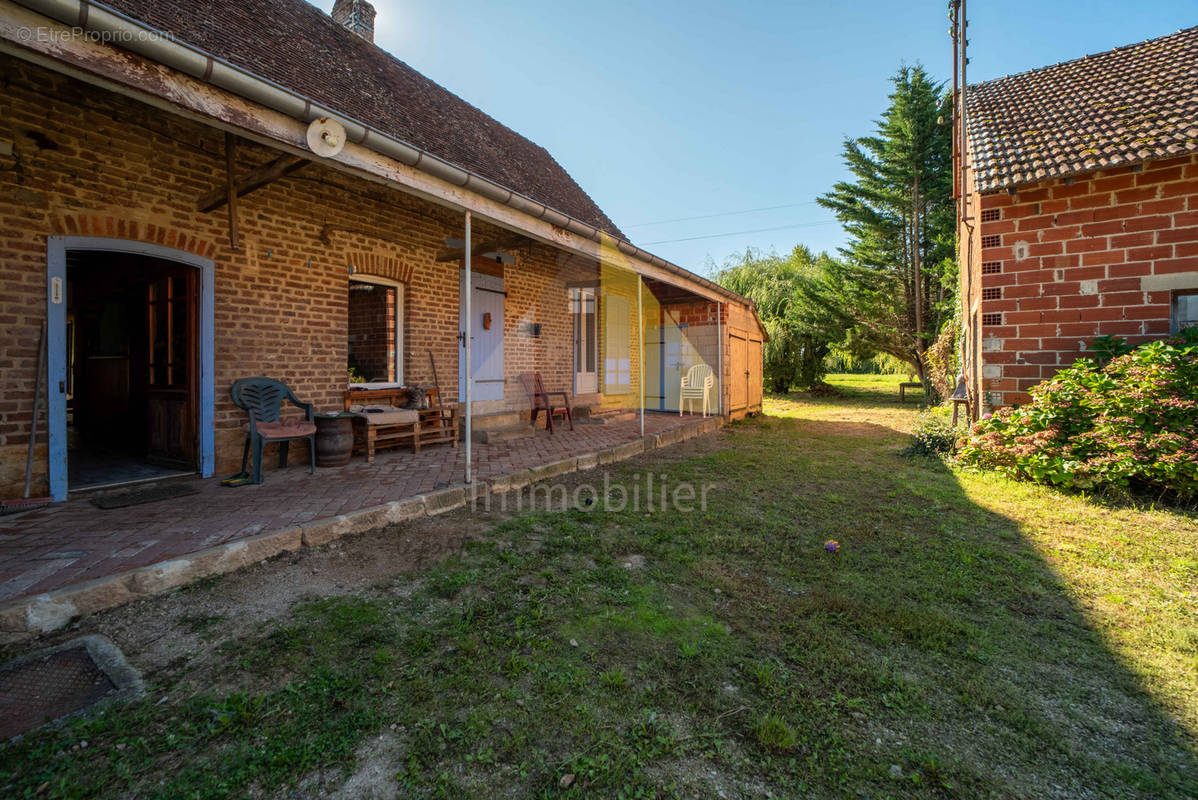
666 109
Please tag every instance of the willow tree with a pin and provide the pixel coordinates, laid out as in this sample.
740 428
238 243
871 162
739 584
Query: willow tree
799 336
894 288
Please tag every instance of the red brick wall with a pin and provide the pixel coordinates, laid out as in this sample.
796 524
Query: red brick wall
88 162
1099 255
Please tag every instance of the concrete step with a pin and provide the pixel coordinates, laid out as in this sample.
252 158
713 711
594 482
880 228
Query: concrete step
483 422
612 417
512 432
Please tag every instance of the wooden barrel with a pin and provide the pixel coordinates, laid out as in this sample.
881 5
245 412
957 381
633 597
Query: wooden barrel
334 440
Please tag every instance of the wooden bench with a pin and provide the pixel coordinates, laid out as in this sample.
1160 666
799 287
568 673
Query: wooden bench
904 386
431 425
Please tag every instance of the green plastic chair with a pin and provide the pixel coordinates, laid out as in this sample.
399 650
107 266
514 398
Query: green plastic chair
262 399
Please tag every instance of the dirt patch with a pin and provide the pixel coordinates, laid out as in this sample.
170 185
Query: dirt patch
156 633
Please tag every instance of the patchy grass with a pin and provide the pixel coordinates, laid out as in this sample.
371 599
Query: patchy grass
974 637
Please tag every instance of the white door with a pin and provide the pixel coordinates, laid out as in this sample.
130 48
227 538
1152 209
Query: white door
677 357
586 341
654 387
486 345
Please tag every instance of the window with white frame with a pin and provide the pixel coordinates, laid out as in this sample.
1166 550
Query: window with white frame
375 332
1185 310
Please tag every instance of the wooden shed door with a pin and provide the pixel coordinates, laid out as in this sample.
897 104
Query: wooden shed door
738 384
754 370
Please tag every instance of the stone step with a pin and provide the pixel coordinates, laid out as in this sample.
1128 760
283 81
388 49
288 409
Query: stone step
510 433
483 422
612 417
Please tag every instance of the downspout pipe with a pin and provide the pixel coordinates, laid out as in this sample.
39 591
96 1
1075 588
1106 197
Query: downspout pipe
162 48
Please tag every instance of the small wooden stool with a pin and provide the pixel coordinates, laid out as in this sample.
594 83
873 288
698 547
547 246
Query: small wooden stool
961 398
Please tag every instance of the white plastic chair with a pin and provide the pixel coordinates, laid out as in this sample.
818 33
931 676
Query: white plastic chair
697 383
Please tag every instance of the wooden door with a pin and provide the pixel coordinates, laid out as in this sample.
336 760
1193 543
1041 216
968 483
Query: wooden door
171 367
738 372
755 376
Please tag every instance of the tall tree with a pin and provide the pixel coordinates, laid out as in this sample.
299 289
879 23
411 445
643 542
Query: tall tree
799 336
895 286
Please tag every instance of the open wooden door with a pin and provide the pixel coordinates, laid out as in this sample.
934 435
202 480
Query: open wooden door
171 367
738 374
755 374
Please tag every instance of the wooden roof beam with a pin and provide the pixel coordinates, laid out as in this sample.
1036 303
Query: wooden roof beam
493 246
255 179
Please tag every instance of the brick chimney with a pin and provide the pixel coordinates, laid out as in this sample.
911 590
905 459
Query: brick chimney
357 15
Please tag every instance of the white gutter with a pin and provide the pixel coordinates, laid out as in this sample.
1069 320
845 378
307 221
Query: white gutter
162 48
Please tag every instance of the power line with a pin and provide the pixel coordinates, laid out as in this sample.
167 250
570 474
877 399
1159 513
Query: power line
722 214
739 233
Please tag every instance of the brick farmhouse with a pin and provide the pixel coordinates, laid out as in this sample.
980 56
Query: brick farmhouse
178 205
1079 215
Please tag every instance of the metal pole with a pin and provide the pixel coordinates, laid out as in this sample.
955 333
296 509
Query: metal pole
466 336
640 340
719 333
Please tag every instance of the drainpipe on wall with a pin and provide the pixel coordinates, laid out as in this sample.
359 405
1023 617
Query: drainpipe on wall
469 372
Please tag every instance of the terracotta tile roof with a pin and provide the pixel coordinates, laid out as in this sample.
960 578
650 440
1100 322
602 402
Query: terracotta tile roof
301 48
1123 106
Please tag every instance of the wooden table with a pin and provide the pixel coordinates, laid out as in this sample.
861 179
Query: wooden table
433 425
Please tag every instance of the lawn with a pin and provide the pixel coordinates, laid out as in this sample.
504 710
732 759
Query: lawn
973 637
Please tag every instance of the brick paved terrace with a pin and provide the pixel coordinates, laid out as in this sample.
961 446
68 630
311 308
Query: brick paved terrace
58 546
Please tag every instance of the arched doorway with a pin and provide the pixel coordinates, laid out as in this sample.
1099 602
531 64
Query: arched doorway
130 362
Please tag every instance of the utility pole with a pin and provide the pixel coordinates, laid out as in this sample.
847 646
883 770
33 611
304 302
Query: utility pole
915 254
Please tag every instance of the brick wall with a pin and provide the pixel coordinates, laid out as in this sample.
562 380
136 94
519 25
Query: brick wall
1065 261
88 162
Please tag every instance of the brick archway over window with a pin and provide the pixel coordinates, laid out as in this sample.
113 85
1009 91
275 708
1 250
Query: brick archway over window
118 228
382 266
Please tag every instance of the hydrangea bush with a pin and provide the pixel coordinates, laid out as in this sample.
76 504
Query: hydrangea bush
1130 423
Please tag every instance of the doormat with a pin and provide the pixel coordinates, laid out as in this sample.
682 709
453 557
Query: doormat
148 494
59 683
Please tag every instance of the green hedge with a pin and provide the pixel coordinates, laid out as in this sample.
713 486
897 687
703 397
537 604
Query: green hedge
1132 423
